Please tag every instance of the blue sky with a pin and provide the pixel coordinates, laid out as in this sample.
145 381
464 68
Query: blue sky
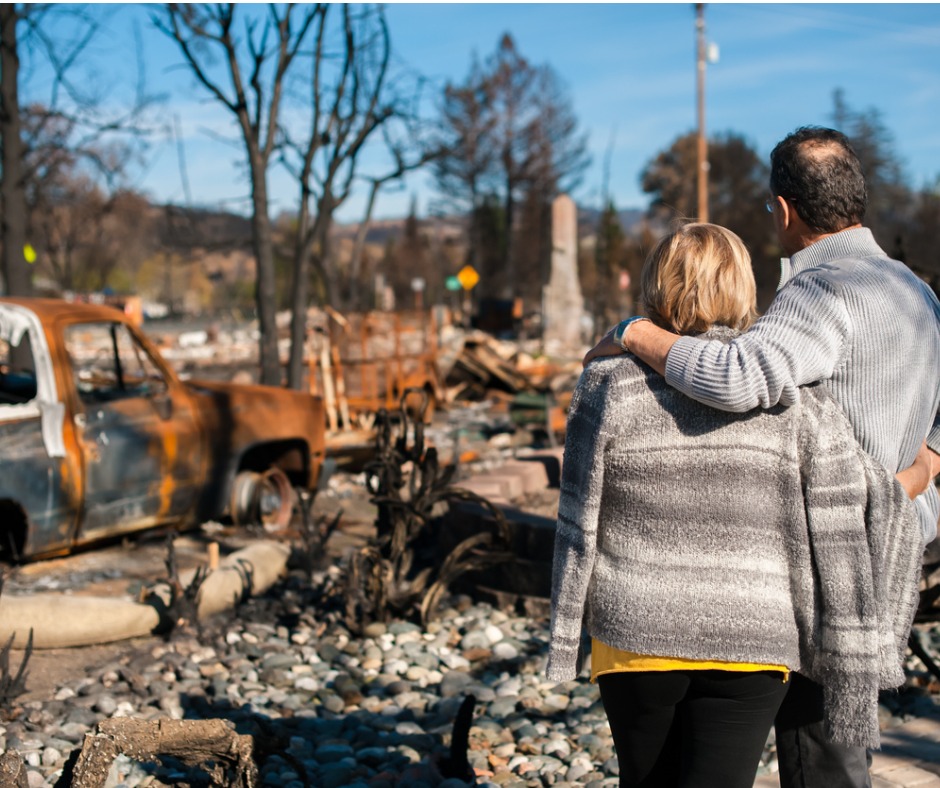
629 70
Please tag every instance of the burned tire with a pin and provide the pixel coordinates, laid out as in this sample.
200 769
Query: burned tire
262 499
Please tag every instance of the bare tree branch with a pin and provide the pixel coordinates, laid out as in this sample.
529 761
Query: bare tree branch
73 128
271 45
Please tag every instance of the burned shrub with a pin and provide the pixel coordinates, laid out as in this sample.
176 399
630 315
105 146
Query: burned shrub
182 609
399 574
12 685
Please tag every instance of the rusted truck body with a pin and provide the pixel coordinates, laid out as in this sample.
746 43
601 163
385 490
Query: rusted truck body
99 437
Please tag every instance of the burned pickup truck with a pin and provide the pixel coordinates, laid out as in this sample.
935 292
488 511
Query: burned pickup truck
99 437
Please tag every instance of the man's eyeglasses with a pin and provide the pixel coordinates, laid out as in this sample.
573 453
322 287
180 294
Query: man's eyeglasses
770 203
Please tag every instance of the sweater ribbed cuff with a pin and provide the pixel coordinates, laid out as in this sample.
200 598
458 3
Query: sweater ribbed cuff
681 358
928 513
562 664
933 439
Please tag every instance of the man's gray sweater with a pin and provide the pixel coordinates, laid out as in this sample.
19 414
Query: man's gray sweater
690 532
849 316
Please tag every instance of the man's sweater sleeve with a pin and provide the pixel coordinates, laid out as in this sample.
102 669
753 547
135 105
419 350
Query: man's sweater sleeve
799 340
928 513
933 438
928 504
582 483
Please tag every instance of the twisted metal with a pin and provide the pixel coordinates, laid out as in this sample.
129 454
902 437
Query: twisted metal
398 574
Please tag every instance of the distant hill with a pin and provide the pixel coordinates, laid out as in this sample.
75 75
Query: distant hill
454 226
630 218
183 228
178 227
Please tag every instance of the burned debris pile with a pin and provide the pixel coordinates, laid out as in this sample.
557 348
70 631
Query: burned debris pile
485 365
532 390
360 362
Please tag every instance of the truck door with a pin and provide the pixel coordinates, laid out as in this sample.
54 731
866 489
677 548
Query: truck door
137 432
38 496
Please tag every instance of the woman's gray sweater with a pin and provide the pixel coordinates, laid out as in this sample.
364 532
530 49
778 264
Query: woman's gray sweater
766 537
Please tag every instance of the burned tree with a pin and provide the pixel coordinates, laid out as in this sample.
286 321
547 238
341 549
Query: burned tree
409 141
257 58
13 224
512 143
85 237
71 126
344 109
464 170
347 99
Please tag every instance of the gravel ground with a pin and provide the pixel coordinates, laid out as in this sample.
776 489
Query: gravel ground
377 710
339 710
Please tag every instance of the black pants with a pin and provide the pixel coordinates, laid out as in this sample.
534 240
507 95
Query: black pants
690 728
805 758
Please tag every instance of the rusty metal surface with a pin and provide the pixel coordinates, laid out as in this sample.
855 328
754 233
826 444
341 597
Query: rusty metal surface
240 419
140 450
50 310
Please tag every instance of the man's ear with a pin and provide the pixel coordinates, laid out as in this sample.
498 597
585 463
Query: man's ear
784 212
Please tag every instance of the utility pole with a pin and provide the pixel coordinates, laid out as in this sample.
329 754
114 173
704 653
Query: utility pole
702 143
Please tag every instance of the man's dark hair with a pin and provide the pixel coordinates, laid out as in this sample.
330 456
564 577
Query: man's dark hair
818 171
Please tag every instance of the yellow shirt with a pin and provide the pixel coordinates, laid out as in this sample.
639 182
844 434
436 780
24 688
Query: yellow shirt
607 659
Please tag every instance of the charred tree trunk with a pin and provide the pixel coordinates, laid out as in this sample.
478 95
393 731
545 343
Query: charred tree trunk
256 105
307 239
226 756
16 275
265 288
299 297
509 258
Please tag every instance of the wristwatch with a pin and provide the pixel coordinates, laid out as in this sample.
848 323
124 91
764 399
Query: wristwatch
621 330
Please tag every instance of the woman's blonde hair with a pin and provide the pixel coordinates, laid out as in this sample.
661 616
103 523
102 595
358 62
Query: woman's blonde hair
697 277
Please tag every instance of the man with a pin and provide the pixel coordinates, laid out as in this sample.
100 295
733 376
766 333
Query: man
845 314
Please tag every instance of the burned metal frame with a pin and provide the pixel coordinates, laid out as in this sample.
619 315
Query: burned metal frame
356 378
398 572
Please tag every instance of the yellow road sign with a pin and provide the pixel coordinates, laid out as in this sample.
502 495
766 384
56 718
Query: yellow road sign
468 277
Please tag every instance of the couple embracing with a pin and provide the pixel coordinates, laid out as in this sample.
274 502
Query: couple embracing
745 504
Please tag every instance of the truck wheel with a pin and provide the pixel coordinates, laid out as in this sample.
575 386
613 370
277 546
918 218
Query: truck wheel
262 498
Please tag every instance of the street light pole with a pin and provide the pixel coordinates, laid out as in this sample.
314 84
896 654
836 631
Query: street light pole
702 157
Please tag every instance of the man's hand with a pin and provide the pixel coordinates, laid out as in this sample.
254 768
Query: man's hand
606 347
645 340
917 478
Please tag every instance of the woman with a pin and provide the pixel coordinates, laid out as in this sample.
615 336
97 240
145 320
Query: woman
708 554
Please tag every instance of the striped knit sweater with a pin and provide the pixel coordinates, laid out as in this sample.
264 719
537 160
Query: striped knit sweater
691 532
848 315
